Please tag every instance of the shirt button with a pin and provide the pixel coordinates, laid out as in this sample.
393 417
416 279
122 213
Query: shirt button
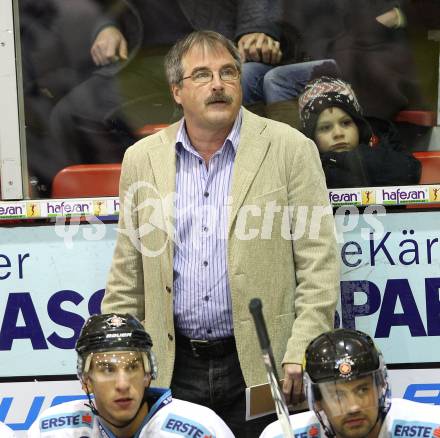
206 298
206 194
170 337
209 331
200 161
205 263
205 229
168 289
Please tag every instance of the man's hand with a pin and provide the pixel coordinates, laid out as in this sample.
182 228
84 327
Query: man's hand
109 46
293 383
259 47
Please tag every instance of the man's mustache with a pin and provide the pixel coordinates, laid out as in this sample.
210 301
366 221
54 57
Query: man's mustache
218 97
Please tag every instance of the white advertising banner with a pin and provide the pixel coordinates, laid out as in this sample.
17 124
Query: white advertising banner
390 282
52 278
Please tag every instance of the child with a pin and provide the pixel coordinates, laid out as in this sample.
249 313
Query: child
355 151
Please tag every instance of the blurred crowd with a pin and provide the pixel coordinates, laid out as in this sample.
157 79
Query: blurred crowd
93 75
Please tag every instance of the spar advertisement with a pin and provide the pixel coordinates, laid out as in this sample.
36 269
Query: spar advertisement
52 277
390 281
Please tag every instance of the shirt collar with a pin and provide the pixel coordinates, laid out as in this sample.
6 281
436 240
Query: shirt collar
233 138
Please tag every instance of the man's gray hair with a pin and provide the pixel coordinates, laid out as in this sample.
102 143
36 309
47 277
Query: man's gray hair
204 38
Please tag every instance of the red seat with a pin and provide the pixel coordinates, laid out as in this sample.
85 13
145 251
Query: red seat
430 173
87 180
430 166
150 129
417 117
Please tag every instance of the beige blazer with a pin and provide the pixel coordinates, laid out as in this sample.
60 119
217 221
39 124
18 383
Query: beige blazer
276 168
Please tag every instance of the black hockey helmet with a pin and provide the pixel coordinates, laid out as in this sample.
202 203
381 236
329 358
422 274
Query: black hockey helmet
113 332
343 355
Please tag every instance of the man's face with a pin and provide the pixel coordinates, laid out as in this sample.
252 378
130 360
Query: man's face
118 381
211 105
352 407
336 131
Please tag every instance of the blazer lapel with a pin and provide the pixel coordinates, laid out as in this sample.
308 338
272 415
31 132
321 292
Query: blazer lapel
250 153
163 164
163 161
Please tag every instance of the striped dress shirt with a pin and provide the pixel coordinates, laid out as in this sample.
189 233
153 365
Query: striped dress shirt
202 296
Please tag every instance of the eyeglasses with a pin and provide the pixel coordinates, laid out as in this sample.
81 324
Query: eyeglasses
202 76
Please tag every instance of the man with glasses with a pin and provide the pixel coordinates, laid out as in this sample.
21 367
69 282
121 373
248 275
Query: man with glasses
116 365
349 394
209 209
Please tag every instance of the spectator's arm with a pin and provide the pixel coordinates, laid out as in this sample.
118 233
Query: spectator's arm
117 31
111 12
257 17
109 46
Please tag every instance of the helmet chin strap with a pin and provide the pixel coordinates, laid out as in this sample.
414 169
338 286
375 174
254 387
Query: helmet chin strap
95 411
328 429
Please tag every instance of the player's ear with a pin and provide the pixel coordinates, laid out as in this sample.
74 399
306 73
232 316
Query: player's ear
147 380
86 384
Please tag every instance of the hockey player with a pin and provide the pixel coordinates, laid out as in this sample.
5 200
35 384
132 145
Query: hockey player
116 365
348 393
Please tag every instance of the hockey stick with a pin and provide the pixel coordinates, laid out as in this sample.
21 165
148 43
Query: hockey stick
255 307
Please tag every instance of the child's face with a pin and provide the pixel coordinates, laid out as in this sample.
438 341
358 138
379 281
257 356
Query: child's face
336 131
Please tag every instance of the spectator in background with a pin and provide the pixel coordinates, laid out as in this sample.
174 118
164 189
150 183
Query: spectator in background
355 151
278 88
272 88
98 119
54 60
368 41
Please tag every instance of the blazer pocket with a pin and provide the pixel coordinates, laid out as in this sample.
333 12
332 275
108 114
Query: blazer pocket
278 193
